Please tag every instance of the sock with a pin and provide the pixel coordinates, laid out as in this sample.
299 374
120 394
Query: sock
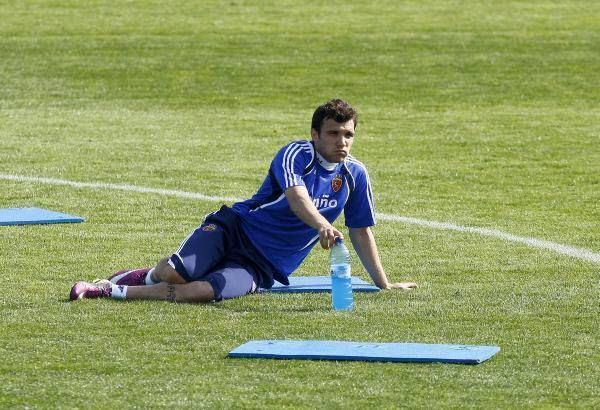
149 280
118 291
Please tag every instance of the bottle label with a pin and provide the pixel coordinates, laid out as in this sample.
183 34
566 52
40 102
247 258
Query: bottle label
341 271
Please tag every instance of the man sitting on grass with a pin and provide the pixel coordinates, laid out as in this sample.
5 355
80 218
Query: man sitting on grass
265 238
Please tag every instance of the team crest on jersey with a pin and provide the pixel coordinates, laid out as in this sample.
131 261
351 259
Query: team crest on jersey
209 227
336 183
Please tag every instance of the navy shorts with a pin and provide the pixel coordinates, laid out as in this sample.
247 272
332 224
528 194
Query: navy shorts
219 253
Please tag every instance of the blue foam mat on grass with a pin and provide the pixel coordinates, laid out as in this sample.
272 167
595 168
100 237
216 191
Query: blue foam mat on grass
30 216
314 284
379 352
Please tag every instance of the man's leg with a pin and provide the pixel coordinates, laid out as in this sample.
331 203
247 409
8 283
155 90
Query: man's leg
193 292
198 254
159 283
229 281
232 280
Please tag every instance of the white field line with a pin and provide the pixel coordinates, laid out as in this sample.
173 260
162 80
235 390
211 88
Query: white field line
535 243
119 187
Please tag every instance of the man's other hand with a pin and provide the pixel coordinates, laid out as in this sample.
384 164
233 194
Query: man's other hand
402 285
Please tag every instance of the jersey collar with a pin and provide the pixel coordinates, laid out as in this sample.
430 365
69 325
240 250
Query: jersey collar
329 166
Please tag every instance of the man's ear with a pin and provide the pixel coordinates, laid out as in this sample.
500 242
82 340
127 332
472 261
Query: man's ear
314 134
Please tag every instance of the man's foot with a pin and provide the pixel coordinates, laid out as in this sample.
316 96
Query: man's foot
136 277
81 290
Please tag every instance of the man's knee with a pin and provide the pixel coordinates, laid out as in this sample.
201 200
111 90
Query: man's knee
163 272
196 292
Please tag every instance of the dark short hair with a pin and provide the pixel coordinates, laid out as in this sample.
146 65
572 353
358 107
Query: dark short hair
337 110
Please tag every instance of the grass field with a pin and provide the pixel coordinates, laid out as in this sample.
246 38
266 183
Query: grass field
478 113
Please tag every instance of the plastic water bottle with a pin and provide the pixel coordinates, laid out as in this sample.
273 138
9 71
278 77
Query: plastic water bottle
341 278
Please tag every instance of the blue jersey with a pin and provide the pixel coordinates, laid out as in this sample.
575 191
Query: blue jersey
279 235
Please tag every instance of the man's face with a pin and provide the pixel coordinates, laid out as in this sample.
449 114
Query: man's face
334 140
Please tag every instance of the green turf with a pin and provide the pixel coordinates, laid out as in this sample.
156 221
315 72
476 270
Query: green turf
479 113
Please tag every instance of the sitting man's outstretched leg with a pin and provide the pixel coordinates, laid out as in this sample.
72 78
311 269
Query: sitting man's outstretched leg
199 271
193 292
229 280
165 284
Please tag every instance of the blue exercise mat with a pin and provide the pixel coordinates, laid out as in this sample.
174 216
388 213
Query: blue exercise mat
314 284
29 216
377 352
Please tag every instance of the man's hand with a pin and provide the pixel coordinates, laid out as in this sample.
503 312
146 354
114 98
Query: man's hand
402 285
327 235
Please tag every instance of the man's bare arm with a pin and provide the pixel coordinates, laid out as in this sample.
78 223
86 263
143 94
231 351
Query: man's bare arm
303 208
366 248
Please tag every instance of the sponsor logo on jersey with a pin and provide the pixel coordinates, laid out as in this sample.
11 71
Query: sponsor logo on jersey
336 183
324 202
209 227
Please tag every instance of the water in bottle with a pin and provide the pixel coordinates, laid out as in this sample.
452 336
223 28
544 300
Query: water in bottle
341 279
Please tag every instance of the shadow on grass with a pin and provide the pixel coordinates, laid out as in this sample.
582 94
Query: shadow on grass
233 305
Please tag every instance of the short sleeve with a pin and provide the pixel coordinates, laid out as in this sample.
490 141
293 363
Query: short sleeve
360 209
290 162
